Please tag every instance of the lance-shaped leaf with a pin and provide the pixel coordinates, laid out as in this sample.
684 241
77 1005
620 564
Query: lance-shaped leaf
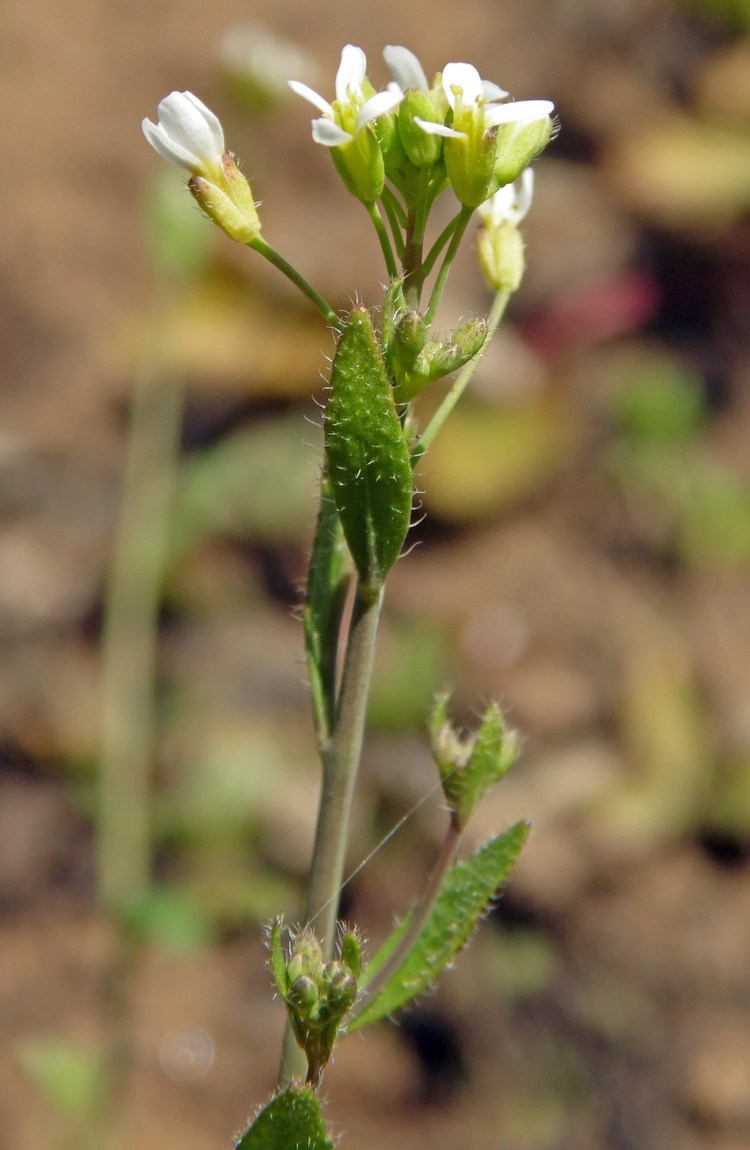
324 605
367 455
291 1121
466 895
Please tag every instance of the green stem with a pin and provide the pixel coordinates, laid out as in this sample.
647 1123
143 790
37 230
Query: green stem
329 315
340 765
420 916
385 243
463 378
458 234
440 242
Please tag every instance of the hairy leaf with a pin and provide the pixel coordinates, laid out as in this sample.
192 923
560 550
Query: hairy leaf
368 458
464 898
291 1121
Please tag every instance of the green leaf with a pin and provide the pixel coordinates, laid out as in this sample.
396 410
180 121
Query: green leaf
367 454
70 1078
324 605
465 897
291 1121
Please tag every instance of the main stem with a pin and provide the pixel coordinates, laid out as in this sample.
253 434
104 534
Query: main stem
340 764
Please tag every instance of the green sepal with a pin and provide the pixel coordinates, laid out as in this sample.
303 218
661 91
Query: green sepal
466 895
277 962
495 750
292 1120
367 455
517 145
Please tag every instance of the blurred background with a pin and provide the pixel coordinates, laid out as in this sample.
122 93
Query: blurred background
584 559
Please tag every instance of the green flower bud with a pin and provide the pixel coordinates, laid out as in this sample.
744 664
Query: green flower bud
228 203
351 952
303 996
440 357
517 144
409 338
341 990
500 251
470 163
422 148
360 164
470 764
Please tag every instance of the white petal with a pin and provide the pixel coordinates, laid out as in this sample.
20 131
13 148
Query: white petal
524 193
189 123
465 77
493 91
405 67
329 134
377 105
351 73
167 149
510 203
212 121
527 110
313 97
439 130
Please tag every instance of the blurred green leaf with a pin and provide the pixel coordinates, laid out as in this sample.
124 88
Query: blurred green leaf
69 1077
659 400
180 238
171 919
257 482
412 663
488 458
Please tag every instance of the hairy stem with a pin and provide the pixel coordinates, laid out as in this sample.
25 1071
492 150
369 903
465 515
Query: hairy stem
340 764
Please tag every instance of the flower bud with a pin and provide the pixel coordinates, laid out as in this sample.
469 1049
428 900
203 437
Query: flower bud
422 148
228 203
470 163
440 357
359 162
500 251
409 338
351 952
303 995
518 143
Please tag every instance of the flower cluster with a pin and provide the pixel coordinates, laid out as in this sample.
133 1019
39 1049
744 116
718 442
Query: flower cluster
462 128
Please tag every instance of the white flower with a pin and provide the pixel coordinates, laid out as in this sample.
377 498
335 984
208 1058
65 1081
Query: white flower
188 134
406 69
509 204
352 109
475 106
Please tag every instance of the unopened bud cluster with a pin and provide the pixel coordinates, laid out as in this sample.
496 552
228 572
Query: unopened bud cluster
469 764
317 994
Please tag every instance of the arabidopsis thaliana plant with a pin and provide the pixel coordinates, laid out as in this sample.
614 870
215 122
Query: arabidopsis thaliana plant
188 134
353 107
